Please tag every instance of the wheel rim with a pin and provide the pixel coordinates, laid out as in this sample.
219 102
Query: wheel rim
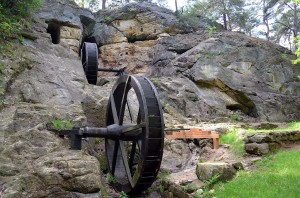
135 162
89 60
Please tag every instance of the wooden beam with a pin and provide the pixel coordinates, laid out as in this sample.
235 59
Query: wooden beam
195 133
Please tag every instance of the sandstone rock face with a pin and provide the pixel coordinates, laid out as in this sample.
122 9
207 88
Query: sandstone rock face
66 22
48 83
70 37
135 57
200 77
220 74
230 73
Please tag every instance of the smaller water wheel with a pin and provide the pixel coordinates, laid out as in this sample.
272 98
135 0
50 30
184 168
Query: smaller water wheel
89 59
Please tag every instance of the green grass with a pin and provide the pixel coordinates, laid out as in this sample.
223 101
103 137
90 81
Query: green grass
235 142
293 126
59 124
275 176
235 118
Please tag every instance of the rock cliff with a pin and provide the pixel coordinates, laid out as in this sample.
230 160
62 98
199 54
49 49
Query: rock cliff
201 76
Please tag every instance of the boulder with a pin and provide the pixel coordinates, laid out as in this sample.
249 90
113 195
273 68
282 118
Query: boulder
104 35
260 138
230 73
64 12
176 156
220 170
257 149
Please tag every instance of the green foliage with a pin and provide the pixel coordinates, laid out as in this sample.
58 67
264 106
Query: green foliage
68 124
185 188
163 175
189 16
155 81
235 118
59 124
235 142
212 181
111 179
161 188
108 19
293 126
97 140
123 195
212 30
13 15
207 193
297 52
275 176
165 105
234 10
103 163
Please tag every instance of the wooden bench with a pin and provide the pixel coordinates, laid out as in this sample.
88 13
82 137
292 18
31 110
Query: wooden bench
195 133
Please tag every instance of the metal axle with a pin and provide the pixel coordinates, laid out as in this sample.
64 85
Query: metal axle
114 132
119 71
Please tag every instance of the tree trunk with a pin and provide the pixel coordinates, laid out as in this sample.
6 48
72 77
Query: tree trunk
229 23
265 19
224 14
103 4
295 25
176 7
225 21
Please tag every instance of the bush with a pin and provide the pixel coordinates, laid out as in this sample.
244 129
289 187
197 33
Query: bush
13 15
235 142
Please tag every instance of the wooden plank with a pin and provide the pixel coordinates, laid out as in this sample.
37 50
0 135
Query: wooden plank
187 135
196 133
216 143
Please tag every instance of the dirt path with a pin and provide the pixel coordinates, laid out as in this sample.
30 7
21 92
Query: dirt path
291 146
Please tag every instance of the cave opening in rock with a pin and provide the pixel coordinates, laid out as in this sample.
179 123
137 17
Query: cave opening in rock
54 30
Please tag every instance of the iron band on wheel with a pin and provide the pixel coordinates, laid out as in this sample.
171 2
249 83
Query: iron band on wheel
89 60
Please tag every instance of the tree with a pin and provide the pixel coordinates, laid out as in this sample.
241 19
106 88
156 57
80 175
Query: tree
227 11
268 13
286 22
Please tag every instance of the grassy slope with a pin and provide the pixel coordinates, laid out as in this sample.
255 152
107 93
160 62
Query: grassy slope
293 126
276 176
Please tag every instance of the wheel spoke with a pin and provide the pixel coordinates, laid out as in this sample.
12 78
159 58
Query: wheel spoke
133 128
132 154
124 100
113 108
129 111
138 120
125 162
115 155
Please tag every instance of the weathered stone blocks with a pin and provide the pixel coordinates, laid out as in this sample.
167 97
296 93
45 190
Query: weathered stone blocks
225 171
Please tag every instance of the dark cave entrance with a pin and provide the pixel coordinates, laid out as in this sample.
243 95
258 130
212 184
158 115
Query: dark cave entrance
54 30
